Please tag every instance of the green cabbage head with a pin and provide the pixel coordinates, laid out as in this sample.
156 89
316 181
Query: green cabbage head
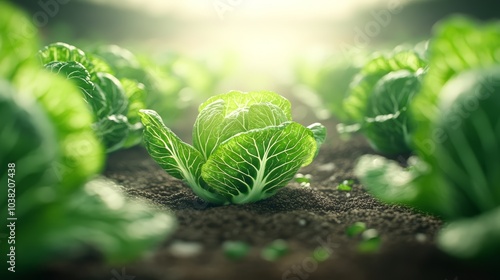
245 147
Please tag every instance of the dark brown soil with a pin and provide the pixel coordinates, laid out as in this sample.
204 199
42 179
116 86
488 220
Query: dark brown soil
307 218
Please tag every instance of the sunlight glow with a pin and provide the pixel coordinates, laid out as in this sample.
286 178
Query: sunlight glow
246 9
266 35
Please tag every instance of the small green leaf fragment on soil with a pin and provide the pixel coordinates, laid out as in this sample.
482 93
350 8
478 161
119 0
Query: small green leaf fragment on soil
328 167
301 178
305 185
321 254
184 249
302 222
346 185
356 229
235 250
371 241
274 251
421 237
343 187
370 234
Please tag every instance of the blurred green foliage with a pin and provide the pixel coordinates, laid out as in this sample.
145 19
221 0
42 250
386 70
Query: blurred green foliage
48 155
457 141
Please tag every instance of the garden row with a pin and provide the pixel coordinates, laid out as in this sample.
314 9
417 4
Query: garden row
436 103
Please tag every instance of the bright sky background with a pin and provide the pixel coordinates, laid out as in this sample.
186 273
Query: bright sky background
268 35
293 9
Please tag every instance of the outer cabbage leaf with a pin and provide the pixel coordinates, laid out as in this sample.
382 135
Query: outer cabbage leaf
414 186
253 165
98 216
387 125
62 52
76 73
112 130
319 133
206 130
176 157
111 88
473 237
133 224
112 126
355 105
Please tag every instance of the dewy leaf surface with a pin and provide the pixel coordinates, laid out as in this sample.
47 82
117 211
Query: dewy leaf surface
174 156
253 165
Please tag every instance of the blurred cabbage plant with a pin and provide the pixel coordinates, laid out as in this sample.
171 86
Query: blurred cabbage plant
379 98
52 153
457 140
